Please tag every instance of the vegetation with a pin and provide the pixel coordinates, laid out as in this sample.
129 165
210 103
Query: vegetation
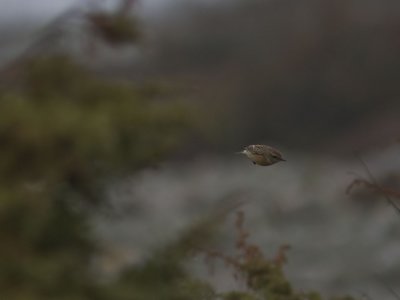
63 135
65 132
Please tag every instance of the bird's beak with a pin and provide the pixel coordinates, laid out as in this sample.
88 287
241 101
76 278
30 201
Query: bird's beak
241 152
282 159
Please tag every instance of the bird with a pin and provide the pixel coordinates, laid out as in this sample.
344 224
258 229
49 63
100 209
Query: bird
262 155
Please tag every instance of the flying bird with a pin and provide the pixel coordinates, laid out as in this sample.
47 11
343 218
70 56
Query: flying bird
262 155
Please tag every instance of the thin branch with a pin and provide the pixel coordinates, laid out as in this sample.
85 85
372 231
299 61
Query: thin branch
372 186
378 186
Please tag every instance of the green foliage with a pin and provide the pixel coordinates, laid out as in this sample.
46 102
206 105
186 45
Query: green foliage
68 125
238 296
164 276
63 133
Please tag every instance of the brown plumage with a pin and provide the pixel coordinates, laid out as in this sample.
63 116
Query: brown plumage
262 155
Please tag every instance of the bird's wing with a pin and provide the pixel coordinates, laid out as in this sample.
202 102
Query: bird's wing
275 152
259 149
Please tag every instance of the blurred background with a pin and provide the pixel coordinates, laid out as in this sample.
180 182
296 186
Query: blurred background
119 123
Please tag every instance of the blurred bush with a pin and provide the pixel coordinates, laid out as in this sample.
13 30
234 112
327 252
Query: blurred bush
64 133
114 29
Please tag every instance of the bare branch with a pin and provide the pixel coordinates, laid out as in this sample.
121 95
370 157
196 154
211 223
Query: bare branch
374 183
